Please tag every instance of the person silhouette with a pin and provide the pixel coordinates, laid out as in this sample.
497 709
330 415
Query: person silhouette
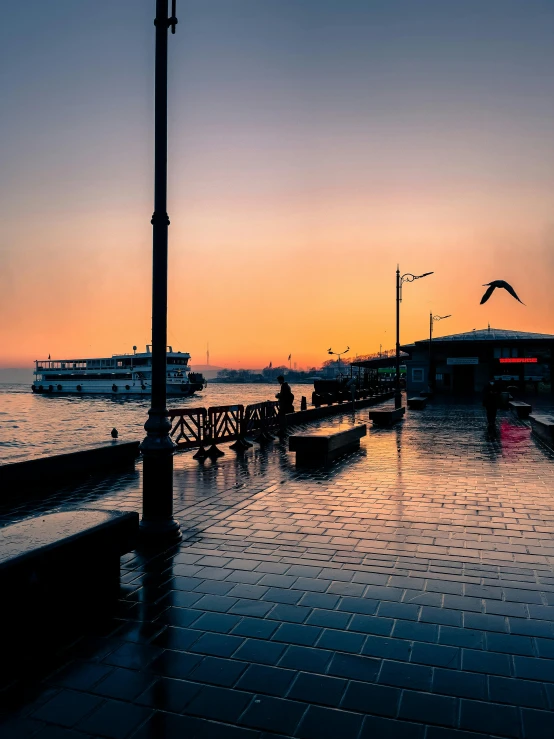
285 396
490 401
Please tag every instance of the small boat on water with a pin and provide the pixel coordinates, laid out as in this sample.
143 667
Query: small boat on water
121 374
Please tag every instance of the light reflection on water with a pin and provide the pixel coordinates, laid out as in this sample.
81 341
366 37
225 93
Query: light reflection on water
36 425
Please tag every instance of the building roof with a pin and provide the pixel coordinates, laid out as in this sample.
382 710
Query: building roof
378 362
488 334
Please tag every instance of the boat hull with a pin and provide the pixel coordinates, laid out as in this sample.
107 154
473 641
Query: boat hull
183 389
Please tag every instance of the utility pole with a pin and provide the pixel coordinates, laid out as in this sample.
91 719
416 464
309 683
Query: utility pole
157 521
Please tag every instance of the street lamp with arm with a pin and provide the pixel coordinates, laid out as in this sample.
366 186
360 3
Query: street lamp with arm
432 319
400 279
338 354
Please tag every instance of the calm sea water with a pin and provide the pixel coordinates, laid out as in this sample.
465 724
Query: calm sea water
37 425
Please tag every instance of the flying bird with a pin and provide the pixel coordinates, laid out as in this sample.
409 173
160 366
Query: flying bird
499 283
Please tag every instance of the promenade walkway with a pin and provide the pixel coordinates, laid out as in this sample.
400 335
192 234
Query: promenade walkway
408 591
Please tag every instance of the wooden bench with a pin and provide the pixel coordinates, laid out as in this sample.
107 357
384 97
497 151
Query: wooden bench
315 448
418 402
522 409
59 572
386 416
542 426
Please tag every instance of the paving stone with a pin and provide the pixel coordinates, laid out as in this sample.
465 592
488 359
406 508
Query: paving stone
399 610
245 607
275 714
534 668
175 664
485 622
461 637
114 719
81 675
219 603
379 700
405 675
537 724
48 732
358 605
545 647
371 625
341 641
209 587
378 646
167 694
319 600
218 645
257 627
329 723
219 704
216 671
167 726
354 667
67 708
491 718
331 619
432 615
517 692
346 588
282 595
123 684
297 634
428 708
261 652
460 684
510 644
435 654
264 679
306 658
527 627
222 623
294 614
416 630
318 689
375 726
440 732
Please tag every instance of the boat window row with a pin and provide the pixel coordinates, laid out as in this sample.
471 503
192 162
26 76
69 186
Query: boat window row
89 376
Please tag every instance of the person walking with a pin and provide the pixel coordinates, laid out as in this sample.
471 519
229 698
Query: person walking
490 401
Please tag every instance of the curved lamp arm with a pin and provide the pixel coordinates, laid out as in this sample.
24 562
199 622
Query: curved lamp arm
409 277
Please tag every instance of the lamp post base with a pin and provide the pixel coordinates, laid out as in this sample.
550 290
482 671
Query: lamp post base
159 532
398 399
157 524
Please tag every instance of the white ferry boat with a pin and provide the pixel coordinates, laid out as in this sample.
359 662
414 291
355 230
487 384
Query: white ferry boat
121 374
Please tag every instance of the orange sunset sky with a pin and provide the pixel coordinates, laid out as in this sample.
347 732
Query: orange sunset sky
312 146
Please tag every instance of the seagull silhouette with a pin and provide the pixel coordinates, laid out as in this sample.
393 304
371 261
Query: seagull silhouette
499 283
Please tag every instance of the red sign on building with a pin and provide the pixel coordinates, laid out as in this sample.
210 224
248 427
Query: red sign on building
519 360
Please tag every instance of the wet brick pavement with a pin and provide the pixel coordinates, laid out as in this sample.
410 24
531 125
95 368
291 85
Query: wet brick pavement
407 591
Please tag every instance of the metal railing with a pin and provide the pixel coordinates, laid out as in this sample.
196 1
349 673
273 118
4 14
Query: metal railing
204 429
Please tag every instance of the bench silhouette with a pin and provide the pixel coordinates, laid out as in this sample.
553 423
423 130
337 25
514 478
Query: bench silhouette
542 426
322 447
522 409
418 402
59 572
386 416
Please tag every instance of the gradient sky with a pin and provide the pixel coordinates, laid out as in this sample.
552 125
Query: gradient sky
313 144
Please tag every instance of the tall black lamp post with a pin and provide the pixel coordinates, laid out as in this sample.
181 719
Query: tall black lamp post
400 279
157 448
432 319
338 354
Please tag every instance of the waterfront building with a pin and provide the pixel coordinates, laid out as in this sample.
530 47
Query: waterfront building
464 363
